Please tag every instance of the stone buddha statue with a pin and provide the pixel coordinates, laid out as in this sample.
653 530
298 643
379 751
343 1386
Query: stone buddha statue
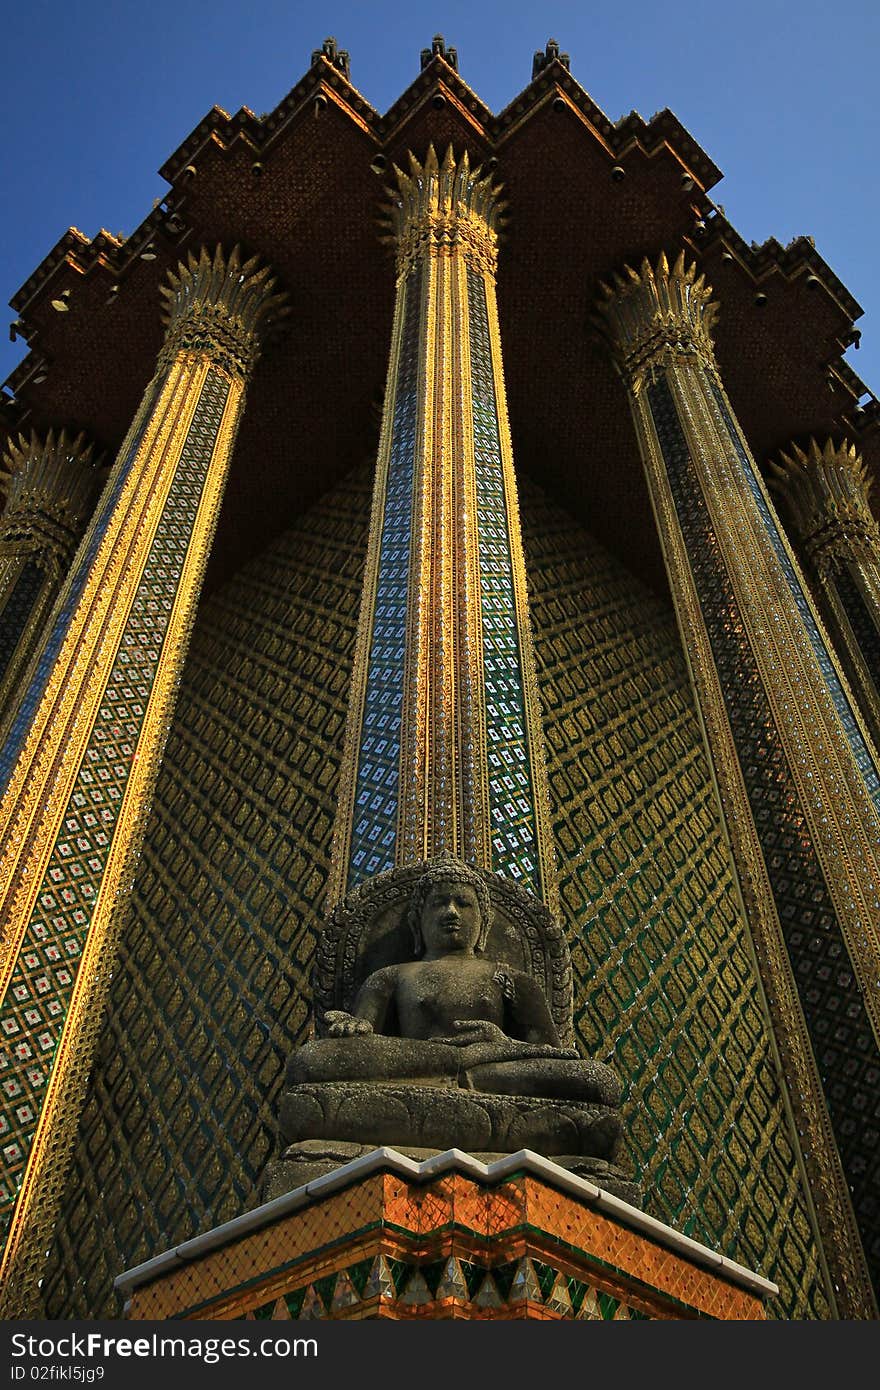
449 1043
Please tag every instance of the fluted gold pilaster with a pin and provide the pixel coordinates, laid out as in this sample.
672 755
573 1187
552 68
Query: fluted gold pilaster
796 773
824 495
444 646
51 485
74 811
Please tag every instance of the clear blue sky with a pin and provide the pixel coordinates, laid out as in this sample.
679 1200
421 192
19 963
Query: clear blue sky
782 94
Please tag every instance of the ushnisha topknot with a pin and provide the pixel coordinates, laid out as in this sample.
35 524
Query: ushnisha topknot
445 869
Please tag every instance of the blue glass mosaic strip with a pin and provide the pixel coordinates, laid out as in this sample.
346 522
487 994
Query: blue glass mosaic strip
18 609
31 699
511 792
832 680
374 819
840 1032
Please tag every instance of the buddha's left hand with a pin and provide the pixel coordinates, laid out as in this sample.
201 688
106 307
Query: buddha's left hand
489 1043
471 1031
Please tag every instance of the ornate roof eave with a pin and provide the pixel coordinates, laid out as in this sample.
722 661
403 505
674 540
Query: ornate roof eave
663 129
111 284
798 257
260 132
219 128
436 75
798 261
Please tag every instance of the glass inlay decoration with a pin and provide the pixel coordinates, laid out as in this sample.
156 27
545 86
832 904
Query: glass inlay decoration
378 773
860 620
826 665
511 793
17 609
840 1031
28 707
44 974
212 992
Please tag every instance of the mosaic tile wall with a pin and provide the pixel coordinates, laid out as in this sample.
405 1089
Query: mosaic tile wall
511 795
378 774
860 619
42 979
17 609
837 1020
663 981
30 700
447 1248
212 992
826 665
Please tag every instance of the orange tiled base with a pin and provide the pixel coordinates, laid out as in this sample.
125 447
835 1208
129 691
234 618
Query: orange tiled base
453 1248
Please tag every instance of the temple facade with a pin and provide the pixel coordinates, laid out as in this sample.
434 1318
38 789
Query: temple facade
438 483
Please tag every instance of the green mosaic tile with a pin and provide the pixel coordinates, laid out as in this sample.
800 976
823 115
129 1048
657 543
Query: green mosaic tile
44 974
359 1274
546 1277
608 1306
294 1301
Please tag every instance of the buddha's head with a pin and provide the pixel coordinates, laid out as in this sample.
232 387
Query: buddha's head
449 910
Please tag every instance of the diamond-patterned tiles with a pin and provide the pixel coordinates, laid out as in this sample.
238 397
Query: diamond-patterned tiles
378 773
839 1028
663 981
212 992
860 619
826 665
43 977
18 608
75 587
354 1255
511 794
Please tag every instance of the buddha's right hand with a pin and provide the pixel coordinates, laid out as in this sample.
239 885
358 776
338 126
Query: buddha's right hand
343 1025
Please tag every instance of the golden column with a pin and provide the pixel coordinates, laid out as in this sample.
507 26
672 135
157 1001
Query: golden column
52 486
444 750
796 775
824 491
90 735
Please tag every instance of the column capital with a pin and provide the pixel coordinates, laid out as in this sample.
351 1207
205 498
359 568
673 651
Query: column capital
825 489
440 207
656 315
222 308
51 482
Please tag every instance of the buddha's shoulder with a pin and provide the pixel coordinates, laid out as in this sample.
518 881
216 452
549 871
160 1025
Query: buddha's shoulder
520 979
386 977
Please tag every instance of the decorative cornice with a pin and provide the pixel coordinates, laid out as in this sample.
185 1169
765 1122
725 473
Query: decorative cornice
440 207
51 485
439 49
825 490
655 315
550 55
338 58
222 308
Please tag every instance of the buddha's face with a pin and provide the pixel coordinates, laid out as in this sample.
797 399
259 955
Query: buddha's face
450 919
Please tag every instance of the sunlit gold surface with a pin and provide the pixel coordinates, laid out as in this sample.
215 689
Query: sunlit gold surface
658 322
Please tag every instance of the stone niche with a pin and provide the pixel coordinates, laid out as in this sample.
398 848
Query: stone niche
409 957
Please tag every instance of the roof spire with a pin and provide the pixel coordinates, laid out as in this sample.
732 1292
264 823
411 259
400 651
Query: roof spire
337 57
550 55
438 49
